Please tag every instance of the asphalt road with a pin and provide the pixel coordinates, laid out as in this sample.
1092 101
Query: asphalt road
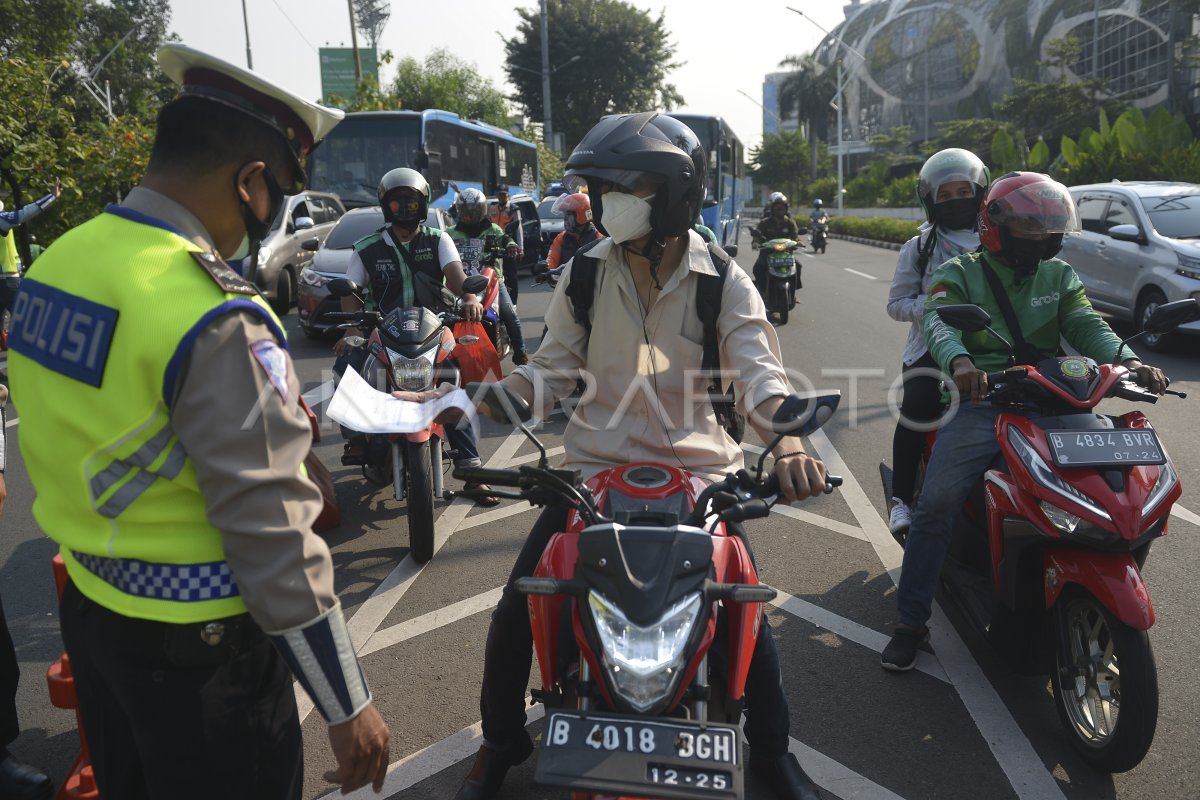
961 725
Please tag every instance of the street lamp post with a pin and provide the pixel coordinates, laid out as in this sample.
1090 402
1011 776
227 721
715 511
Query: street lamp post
778 119
837 101
546 71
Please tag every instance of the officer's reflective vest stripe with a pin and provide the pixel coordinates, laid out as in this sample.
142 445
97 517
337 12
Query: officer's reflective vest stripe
99 336
10 260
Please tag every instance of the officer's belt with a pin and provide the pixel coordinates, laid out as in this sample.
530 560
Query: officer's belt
181 583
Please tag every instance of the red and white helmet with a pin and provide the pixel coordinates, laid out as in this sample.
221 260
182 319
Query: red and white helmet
1030 203
577 205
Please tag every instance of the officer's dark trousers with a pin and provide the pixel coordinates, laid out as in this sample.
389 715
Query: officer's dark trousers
509 658
170 717
10 673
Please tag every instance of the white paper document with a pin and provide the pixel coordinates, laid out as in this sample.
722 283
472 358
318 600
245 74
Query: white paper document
358 406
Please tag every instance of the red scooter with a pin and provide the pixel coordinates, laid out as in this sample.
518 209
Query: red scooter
624 610
408 349
1046 559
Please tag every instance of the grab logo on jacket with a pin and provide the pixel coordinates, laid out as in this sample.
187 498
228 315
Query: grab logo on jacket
1044 300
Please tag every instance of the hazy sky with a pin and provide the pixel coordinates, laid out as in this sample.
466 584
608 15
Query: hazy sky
724 52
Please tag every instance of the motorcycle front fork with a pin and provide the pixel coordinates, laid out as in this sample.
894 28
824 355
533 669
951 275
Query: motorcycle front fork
398 488
399 485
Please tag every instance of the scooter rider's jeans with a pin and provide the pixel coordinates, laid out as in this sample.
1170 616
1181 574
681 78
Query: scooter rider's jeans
508 659
462 440
512 323
966 446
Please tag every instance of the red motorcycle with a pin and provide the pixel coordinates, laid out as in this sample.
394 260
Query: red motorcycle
1046 558
485 342
624 610
407 349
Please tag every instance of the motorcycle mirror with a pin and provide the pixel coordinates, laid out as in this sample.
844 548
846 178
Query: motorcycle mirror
800 416
1170 316
500 402
343 287
311 245
355 341
965 317
475 284
731 251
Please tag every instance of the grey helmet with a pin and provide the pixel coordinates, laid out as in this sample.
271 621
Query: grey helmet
945 166
474 201
777 197
395 207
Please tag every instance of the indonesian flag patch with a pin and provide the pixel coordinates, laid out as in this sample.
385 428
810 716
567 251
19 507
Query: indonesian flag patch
937 292
274 362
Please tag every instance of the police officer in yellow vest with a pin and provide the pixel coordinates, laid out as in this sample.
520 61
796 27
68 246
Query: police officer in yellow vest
10 260
161 428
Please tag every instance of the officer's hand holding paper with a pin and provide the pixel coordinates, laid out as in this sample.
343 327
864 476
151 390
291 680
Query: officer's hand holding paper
361 408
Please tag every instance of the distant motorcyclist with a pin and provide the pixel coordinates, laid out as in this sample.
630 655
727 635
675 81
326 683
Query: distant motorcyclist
470 236
818 211
777 225
578 229
507 216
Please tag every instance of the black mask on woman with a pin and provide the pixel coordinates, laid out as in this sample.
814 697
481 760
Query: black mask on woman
958 214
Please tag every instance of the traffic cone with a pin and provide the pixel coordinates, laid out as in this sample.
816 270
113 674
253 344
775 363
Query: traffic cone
81 781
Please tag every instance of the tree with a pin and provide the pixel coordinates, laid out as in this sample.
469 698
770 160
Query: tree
809 89
131 72
373 17
975 135
625 56
780 161
447 82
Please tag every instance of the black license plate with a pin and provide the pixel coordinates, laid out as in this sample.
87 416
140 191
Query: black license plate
619 754
1120 447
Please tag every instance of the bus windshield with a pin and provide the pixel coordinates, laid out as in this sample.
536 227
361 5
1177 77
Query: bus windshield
357 153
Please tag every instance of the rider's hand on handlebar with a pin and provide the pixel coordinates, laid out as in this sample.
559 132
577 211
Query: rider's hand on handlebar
800 476
513 251
968 379
471 309
341 347
1150 377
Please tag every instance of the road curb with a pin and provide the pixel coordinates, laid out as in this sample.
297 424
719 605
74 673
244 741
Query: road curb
869 242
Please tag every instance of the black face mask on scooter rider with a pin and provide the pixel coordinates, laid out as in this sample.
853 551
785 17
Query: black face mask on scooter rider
257 229
1025 255
958 214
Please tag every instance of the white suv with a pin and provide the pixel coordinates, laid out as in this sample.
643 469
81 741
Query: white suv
1140 248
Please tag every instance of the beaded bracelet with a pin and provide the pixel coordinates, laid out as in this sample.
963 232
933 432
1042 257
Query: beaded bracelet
789 455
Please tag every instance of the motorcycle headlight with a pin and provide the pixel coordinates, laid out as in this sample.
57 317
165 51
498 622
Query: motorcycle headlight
1166 482
311 278
1065 521
645 664
1042 473
412 374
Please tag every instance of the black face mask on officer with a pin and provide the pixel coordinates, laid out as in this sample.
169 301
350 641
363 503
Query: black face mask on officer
958 214
1024 255
257 229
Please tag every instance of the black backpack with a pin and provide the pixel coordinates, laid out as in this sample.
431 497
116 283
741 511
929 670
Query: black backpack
582 293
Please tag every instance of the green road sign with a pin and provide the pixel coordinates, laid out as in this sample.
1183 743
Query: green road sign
337 70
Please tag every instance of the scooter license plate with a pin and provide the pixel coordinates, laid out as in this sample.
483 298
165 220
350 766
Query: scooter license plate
1120 447
627 755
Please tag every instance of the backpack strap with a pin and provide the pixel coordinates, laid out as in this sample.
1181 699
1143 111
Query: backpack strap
708 308
581 291
1025 352
925 251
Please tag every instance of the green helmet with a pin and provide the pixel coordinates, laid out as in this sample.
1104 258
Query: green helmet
944 166
394 208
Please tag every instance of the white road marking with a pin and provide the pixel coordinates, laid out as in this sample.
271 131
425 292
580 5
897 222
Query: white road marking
1009 745
851 631
1177 511
431 621
860 274
551 452
12 422
838 779
495 515
391 590
319 394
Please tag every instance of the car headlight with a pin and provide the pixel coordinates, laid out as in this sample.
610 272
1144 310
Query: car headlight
412 374
311 277
1042 473
1189 266
645 664
1166 482
264 255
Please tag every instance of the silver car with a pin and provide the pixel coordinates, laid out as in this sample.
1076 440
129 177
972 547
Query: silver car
1140 248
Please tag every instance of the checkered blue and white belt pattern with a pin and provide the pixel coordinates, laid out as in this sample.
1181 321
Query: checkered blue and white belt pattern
182 583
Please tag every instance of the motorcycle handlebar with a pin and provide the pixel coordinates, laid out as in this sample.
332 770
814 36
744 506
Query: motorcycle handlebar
497 477
771 484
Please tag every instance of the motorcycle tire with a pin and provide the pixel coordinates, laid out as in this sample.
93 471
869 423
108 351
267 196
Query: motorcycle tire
1091 648
782 303
419 475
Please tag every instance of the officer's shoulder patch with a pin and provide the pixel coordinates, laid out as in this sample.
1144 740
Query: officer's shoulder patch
274 362
223 274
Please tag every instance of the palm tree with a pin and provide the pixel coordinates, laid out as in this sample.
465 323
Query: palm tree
808 89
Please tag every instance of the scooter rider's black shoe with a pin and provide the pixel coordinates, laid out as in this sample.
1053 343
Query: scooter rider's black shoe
491 765
354 454
785 776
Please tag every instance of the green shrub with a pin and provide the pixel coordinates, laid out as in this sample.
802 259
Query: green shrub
882 229
900 193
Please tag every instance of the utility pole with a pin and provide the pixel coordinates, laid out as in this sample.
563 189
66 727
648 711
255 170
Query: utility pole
354 43
246 24
547 127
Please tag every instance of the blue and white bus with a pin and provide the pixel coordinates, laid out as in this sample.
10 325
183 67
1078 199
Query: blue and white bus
444 147
728 184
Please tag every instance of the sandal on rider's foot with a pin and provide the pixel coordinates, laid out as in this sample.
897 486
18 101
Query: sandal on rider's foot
485 500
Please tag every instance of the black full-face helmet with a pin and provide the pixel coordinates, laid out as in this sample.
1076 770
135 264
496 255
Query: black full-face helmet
633 150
